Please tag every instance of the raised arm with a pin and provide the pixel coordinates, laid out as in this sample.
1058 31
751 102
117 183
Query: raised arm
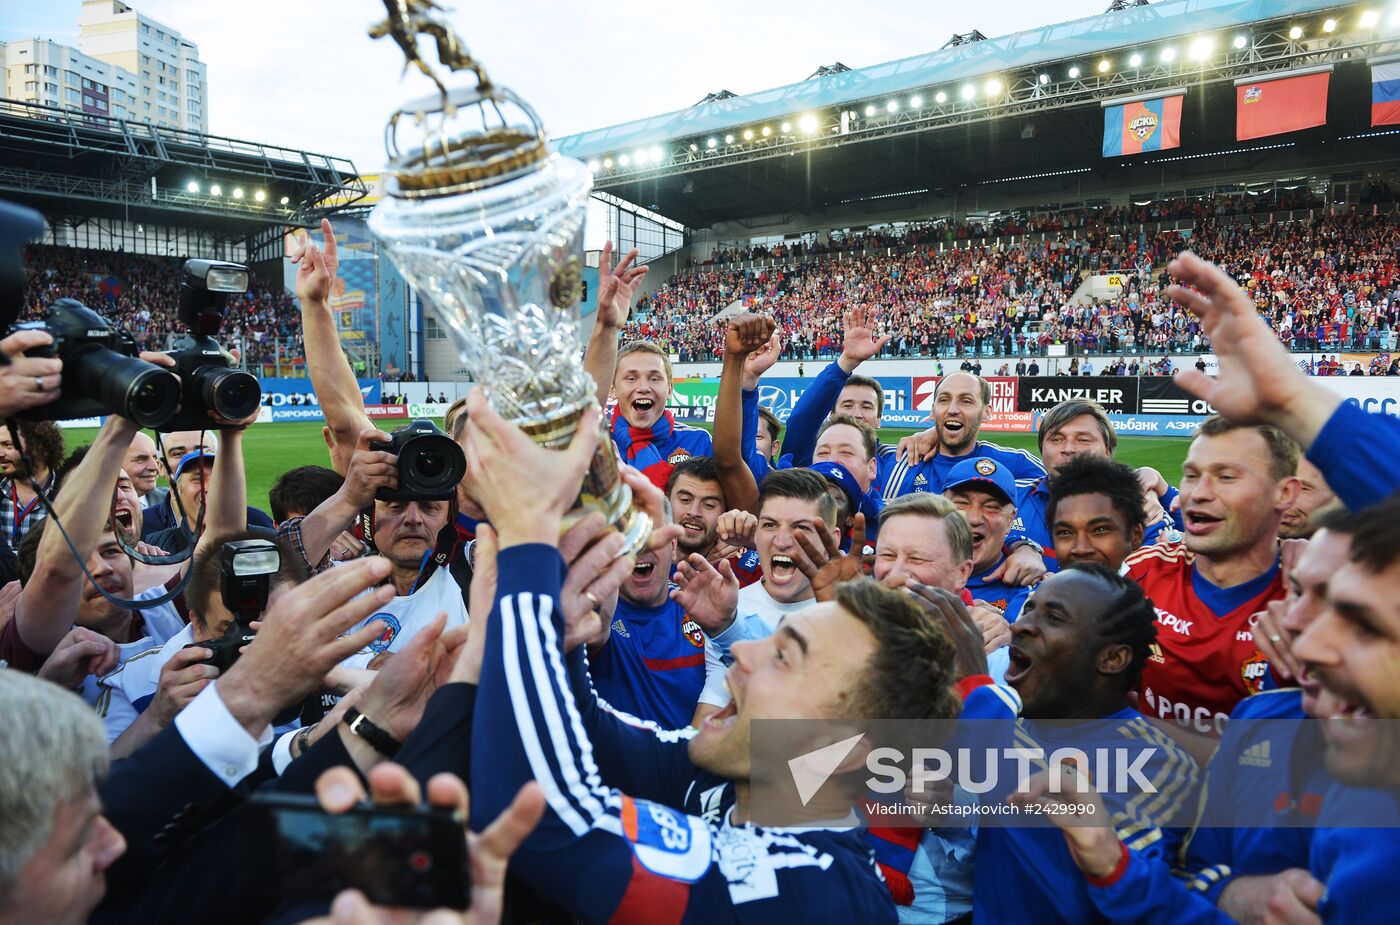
226 505
859 343
616 288
49 602
367 471
331 377
745 334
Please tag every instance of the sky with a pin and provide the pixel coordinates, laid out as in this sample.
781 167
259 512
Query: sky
304 74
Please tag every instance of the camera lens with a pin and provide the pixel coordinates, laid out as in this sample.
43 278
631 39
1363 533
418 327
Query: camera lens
230 393
130 387
430 466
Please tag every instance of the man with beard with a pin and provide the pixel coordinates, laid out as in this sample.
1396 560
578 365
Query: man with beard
637 820
1236 483
1095 512
791 502
1315 499
142 464
959 403
697 501
649 659
21 510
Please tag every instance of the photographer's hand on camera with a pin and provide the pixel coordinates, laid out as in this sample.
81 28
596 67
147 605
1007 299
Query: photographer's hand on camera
181 679
27 382
300 640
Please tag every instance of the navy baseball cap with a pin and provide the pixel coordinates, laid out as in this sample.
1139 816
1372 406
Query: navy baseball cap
191 457
986 474
841 477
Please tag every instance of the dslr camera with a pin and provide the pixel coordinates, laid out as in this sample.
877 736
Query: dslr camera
430 463
101 371
246 570
210 382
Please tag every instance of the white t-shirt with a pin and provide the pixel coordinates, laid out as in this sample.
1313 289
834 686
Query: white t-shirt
163 623
754 602
127 691
405 615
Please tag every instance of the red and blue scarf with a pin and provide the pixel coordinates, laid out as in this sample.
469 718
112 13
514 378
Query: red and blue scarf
641 446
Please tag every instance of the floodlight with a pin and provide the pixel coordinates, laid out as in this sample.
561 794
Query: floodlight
1074 73
869 111
1329 25
260 196
915 102
639 156
748 134
694 146
892 106
729 139
785 128
940 97
1240 41
808 123
285 200
191 187
767 131
1104 66
1369 18
607 163
1135 60
593 166
656 155
1201 48
1295 33
968 91
993 87
1044 79
1168 54
238 192
216 190
711 142
623 160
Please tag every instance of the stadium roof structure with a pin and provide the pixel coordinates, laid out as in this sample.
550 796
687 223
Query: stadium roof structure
62 162
1016 107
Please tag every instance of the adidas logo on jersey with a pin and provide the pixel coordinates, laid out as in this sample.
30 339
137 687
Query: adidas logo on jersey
1257 756
920 482
621 629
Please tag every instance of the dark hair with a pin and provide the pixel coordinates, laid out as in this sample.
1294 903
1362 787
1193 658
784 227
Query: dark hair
1283 449
867 435
1093 475
1375 543
41 441
910 674
301 490
1128 618
868 383
775 426
27 555
205 580
1067 411
74 459
802 484
697 467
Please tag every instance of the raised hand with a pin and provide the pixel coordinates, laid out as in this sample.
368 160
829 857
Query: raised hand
826 566
946 608
316 266
81 653
736 529
1258 381
617 286
859 342
762 360
747 333
709 595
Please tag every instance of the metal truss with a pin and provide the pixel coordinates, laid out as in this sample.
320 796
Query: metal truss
1022 92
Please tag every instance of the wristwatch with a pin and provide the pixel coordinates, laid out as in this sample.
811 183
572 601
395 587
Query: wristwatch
1026 541
379 740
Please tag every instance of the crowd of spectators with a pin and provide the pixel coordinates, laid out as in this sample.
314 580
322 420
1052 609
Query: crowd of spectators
1327 282
142 294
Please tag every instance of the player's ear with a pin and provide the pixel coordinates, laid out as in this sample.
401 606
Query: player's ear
1115 659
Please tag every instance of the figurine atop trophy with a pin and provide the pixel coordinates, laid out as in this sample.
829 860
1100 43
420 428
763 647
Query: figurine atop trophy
486 224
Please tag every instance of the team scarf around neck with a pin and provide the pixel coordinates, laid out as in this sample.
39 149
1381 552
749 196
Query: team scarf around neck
640 446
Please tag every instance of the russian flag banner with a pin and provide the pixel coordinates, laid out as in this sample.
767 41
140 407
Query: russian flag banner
1142 125
1283 104
1385 94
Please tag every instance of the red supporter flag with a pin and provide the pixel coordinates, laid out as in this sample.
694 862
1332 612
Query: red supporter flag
1279 105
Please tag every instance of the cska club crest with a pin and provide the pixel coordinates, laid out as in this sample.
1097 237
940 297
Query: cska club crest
1143 126
1254 94
1253 670
692 631
678 457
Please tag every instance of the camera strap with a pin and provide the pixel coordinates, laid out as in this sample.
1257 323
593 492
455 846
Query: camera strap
433 559
123 603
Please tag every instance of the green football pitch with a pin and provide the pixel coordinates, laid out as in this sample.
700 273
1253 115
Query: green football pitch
271 449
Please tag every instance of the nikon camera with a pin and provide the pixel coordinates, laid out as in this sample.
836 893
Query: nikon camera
214 390
430 463
101 371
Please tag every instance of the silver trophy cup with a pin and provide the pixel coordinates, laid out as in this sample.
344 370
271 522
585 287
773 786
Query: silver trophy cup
487 225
